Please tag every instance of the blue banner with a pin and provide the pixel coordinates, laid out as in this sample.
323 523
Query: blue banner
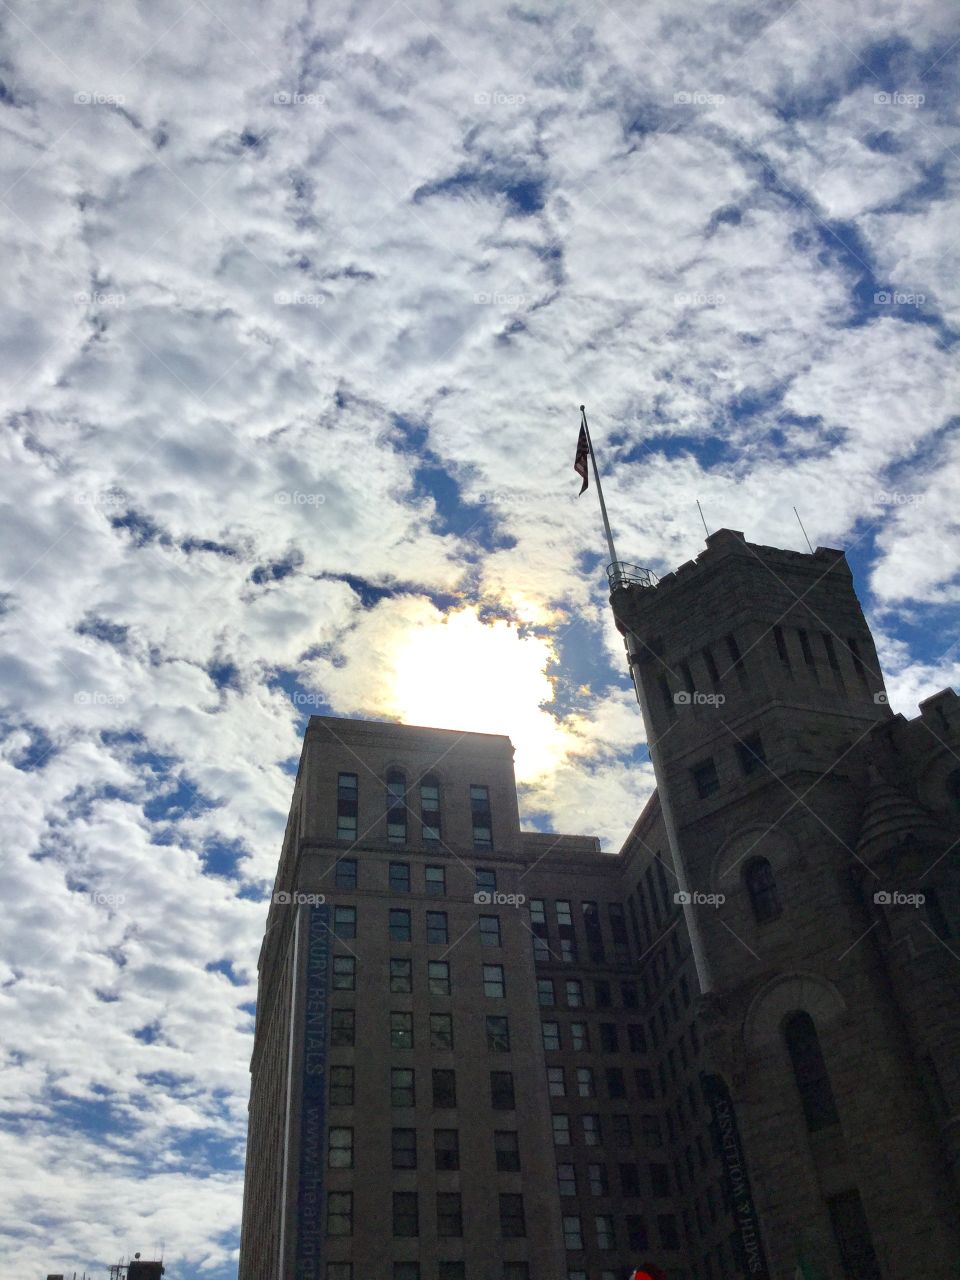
310 1225
726 1137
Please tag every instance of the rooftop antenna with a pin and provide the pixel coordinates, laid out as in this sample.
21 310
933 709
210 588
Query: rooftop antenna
802 530
700 509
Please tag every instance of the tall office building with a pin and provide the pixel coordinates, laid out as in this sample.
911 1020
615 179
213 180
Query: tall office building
730 1049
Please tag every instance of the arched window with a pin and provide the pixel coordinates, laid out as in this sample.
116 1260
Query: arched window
430 807
762 888
396 806
810 1071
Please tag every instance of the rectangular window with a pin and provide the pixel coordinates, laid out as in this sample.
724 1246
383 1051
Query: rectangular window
341 1086
340 1213
347 806
591 1131
339 1271
340 1148
516 1271
344 973
630 1179
616 1087
574 993
444 1088
637 1232
556 1082
580 1037
396 808
345 873
435 881
618 928
345 922
507 1150
401 975
498 1034
751 755
438 977
597 1178
585 1085
650 1131
341 1027
501 1090
564 914
643 1077
551 1036
437 927
490 931
622 1135
667 1231
601 994
513 1224
545 993
404 1146
401 1087
486 882
572 1232
441 1031
561 1130
451 1270
567 1179
406 1271
591 927
609 1041
406 1217
705 778
538 913
430 812
629 995
399 877
399 924
660 1181
493 984
449 1214
401 1030
482 820
604 1228
446 1149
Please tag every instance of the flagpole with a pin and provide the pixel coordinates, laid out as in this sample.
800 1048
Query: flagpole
596 476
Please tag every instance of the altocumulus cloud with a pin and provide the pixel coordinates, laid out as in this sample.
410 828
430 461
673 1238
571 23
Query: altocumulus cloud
301 302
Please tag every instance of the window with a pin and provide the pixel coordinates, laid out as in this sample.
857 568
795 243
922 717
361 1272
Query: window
609 1041
451 1271
513 1224
341 1027
601 994
437 927
507 1150
616 1088
344 973
637 1232
852 1234
564 914
397 812
567 1179
401 975
341 1086
399 924
705 778
556 1083
406 1271
630 1179
498 1034
401 1030
449 1214
345 873
430 812
762 888
650 1131
585 1085
501 1090
580 1037
404 1145
667 1231
347 806
561 1130
604 1227
399 877
597 1178
406 1218
435 881
446 1149
685 991
339 1271
551 1036
574 993
444 1088
630 995
810 1071
538 913
572 1232
591 927
939 922
545 993
340 1213
516 1271
345 922
438 977
660 1181
618 928
622 1134
401 1087
643 1077
486 881
490 931
751 755
591 1130
340 1149
441 1031
493 984
482 820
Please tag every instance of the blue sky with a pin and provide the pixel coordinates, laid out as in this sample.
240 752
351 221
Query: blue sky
301 304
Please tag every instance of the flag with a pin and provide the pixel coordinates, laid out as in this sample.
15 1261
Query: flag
580 462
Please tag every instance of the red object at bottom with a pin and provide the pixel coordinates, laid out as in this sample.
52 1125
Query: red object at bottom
649 1272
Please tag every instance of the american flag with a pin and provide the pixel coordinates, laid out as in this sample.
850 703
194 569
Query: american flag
580 462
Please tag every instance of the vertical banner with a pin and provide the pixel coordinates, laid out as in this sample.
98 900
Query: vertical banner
726 1137
313 1093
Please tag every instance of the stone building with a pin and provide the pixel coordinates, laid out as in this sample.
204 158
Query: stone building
730 1049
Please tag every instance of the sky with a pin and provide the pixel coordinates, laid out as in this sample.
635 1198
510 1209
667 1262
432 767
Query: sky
301 302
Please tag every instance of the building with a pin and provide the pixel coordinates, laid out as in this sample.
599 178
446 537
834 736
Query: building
731 1049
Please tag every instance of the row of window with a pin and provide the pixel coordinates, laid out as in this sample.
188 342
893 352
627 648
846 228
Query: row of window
400 927
584 1083
406 1214
634 1232
346 874
444 1088
401 978
446 1149
497 1028
598 1182
567 936
399 807
573 991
